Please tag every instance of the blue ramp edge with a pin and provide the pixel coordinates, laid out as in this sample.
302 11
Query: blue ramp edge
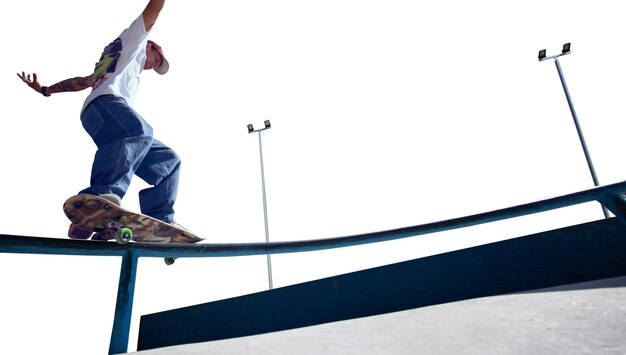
573 254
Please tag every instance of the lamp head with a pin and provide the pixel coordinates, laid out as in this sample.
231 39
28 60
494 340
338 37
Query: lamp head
566 48
542 54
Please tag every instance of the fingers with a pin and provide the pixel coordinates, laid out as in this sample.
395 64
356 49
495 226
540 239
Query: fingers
32 83
26 77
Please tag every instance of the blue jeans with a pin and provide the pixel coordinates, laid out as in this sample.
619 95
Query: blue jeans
126 147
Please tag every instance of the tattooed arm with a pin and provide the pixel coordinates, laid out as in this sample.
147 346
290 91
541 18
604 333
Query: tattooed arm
73 84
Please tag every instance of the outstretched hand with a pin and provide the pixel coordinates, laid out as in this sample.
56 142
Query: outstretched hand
34 84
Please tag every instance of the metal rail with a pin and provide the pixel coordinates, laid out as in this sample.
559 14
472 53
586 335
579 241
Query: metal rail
610 196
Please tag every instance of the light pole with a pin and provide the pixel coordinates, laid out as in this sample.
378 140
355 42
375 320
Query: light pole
566 50
267 232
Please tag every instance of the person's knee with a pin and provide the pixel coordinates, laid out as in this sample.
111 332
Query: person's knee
177 157
174 158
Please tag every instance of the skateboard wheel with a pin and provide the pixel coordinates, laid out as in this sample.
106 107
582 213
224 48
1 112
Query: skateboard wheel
169 261
124 235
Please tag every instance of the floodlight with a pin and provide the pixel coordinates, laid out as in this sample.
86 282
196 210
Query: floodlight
542 54
564 51
566 47
267 236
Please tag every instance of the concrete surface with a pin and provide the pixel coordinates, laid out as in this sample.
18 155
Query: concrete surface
585 318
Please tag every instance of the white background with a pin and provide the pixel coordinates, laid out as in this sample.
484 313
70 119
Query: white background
385 114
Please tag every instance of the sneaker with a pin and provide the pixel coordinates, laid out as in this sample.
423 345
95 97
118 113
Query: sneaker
112 198
76 232
178 225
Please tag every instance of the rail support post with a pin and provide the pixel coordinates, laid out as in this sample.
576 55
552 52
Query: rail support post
124 305
615 203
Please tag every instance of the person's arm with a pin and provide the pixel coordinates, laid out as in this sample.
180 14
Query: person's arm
72 84
151 13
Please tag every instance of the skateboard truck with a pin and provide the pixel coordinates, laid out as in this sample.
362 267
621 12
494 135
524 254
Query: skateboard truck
123 235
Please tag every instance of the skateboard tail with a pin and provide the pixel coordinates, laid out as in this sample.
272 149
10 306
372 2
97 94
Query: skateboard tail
89 213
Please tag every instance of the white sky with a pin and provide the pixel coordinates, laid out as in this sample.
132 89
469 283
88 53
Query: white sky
385 114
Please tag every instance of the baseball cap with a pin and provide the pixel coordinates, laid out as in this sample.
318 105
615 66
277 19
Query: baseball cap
165 65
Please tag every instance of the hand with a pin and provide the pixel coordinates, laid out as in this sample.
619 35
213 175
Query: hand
34 84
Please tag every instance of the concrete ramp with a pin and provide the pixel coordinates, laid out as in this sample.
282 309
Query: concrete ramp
584 318
574 254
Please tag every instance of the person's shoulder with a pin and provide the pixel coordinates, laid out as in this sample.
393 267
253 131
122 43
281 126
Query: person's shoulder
135 31
138 25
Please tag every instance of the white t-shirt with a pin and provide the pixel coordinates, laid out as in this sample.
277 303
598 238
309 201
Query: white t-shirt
122 61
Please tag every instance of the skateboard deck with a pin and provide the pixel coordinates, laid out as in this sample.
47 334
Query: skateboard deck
110 221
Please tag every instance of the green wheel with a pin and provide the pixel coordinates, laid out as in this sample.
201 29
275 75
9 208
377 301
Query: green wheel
124 235
169 261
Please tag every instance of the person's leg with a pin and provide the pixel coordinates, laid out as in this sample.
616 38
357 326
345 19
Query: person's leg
115 164
161 169
123 139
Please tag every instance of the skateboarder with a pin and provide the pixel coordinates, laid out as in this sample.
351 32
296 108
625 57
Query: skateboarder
125 142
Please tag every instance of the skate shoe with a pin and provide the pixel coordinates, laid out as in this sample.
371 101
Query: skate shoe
112 198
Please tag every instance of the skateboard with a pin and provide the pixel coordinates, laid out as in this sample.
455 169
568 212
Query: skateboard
109 221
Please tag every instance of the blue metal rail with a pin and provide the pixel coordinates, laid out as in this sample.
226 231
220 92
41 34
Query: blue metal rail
610 196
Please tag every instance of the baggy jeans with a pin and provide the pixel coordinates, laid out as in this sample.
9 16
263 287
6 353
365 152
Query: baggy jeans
126 147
